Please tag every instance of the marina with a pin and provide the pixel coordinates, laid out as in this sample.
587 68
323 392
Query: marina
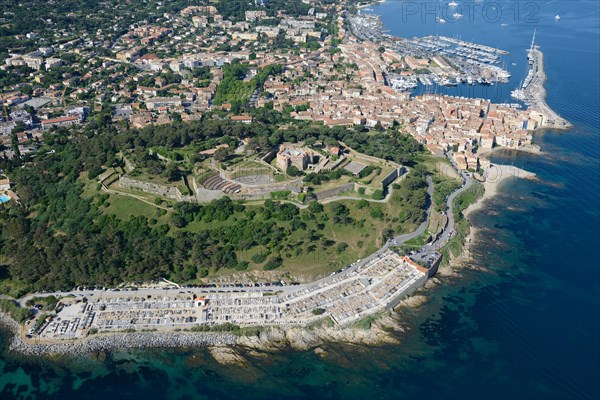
452 61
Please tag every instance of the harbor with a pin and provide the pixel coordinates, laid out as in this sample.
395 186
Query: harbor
434 60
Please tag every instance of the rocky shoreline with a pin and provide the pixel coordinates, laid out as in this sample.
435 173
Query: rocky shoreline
495 179
114 341
222 346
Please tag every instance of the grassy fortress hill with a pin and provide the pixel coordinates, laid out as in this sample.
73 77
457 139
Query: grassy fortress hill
346 203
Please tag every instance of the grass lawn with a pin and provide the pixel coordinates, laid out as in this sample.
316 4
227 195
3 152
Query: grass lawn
120 204
331 184
124 207
374 179
196 226
436 222
305 259
11 287
139 175
171 154
249 167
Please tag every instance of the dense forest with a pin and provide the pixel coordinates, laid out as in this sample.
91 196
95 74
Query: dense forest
55 238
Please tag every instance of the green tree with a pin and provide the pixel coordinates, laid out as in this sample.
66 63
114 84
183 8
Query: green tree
375 212
341 247
172 173
19 127
222 153
273 263
315 207
292 170
27 89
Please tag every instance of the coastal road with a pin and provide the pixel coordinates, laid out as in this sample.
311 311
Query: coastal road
449 231
401 239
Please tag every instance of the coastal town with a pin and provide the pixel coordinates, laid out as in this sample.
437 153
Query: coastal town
317 63
171 70
299 199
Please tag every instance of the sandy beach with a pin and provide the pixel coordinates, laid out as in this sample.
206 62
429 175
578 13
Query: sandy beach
495 176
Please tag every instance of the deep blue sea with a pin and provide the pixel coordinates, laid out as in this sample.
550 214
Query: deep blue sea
524 325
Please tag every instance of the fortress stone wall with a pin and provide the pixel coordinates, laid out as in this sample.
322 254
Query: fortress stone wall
153 188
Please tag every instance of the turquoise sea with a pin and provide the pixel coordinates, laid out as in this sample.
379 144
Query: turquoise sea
523 325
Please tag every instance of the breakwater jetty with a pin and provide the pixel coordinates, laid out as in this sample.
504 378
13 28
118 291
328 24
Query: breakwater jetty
534 92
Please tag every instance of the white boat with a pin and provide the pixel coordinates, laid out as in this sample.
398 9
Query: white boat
557 17
447 82
457 15
440 20
453 4
518 94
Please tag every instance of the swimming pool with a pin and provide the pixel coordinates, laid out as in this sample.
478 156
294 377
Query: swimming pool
4 198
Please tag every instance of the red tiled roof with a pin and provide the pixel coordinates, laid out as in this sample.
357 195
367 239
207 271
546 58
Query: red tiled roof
59 120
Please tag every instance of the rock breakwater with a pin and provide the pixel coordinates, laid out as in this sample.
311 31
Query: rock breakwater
114 341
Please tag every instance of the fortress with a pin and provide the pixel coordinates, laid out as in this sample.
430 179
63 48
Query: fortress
297 157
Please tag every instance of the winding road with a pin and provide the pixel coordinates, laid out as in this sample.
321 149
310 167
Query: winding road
449 229
396 241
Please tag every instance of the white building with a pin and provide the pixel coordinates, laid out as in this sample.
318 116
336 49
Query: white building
53 63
